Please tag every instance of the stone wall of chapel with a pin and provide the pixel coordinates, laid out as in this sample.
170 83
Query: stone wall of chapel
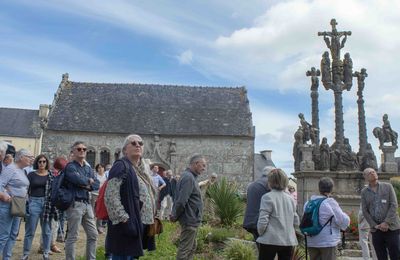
227 156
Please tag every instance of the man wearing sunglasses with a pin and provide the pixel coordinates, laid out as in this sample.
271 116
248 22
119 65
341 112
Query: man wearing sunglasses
81 180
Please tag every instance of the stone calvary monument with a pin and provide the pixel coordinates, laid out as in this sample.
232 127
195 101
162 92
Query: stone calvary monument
313 159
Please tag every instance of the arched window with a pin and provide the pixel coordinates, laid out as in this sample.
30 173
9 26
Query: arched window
104 157
91 157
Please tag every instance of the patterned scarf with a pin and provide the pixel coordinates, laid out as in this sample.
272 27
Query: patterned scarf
146 179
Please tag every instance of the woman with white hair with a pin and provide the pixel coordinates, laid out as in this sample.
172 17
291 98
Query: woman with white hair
3 149
130 203
13 177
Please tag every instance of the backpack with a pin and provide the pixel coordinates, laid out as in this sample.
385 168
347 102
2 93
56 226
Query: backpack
100 206
309 224
61 197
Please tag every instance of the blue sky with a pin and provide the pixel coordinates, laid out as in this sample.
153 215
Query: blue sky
266 46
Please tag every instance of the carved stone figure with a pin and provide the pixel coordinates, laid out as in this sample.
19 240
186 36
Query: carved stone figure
361 78
314 78
348 71
334 44
324 150
369 159
298 137
308 131
326 70
347 159
385 134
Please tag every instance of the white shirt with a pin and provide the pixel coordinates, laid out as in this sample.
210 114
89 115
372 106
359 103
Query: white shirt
330 234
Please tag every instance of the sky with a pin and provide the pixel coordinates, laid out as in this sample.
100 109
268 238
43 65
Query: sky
265 45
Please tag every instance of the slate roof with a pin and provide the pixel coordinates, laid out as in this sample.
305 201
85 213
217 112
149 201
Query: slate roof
17 122
151 109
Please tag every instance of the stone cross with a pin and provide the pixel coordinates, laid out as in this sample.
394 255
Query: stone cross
313 73
334 44
362 127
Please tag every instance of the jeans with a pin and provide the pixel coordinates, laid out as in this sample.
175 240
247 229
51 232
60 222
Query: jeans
61 220
9 227
36 208
80 213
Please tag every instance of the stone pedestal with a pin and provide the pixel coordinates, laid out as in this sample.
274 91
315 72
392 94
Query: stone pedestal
347 189
389 162
307 163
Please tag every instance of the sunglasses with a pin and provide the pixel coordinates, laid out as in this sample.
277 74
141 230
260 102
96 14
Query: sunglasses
79 149
137 143
42 161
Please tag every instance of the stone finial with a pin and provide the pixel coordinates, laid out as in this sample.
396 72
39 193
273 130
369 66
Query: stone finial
65 77
65 80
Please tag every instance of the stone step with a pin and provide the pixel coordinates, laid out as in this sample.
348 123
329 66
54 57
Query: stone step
351 252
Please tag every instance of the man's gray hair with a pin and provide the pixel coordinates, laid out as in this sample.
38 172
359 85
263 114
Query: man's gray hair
77 143
3 148
367 171
20 153
325 185
128 141
195 158
267 169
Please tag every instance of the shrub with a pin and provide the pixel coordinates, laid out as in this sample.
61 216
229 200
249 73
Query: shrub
227 205
219 235
396 186
353 227
203 236
238 250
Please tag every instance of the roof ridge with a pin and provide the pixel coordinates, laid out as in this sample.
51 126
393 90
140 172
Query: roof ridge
17 108
156 85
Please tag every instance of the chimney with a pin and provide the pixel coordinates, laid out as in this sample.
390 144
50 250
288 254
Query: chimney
43 111
267 154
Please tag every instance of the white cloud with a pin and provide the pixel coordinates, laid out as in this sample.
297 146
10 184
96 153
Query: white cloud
186 57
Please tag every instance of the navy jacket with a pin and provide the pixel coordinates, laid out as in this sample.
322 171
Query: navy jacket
77 178
126 238
254 193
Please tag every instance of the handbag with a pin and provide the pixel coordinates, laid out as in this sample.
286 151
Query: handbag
18 206
156 228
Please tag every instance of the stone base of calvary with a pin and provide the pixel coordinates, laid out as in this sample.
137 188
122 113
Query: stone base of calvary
314 158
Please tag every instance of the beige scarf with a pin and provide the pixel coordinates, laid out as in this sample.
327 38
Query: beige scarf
145 177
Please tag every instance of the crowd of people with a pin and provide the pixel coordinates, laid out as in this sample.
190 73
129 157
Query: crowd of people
271 217
138 194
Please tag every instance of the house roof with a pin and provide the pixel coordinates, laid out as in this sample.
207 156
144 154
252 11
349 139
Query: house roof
15 122
151 109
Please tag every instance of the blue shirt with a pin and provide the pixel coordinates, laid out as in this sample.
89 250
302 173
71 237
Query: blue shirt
15 180
157 180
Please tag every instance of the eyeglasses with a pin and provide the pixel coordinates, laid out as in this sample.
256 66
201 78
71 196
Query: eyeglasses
80 149
137 143
42 161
